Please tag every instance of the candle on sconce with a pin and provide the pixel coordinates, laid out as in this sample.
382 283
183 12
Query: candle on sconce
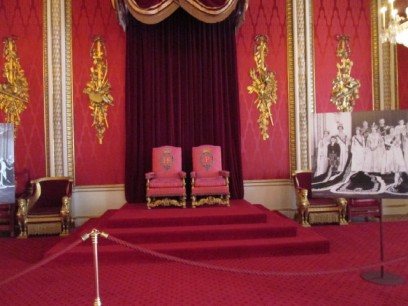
383 10
391 2
394 14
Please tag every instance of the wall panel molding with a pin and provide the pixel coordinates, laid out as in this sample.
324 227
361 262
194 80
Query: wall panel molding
58 107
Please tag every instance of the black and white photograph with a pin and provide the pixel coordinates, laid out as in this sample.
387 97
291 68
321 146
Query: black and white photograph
360 154
7 186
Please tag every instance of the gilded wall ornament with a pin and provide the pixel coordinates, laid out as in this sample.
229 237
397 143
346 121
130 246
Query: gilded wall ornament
14 92
98 88
345 88
263 84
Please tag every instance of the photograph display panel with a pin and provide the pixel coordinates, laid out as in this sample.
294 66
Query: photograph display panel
7 185
360 154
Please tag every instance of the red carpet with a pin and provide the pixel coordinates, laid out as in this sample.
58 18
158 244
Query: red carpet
208 232
331 278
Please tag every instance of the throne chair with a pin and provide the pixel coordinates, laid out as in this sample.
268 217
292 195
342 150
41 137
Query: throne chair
209 182
165 184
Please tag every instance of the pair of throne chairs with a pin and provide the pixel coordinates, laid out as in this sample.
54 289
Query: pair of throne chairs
312 210
166 183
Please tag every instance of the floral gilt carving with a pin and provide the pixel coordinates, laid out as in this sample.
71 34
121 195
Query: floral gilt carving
98 88
14 92
345 88
264 85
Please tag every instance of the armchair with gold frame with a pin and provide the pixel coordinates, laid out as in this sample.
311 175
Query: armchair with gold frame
165 184
209 182
311 210
47 210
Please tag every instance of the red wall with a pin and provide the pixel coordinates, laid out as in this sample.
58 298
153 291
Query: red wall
98 164
351 18
24 20
402 62
102 164
402 52
264 159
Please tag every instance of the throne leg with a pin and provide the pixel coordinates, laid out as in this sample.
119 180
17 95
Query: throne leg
183 201
304 216
226 198
23 230
343 208
65 227
22 225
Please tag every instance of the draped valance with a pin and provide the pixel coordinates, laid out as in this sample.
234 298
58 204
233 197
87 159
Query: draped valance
155 11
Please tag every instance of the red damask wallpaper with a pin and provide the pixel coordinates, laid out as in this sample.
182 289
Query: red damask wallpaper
23 19
102 164
264 159
402 60
98 164
351 18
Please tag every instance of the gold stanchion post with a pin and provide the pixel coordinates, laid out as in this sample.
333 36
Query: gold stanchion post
94 234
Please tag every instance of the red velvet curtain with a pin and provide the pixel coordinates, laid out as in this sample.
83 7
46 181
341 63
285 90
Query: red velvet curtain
155 11
181 90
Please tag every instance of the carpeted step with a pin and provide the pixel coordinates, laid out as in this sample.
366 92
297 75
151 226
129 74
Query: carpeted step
201 250
244 248
203 232
184 219
239 212
242 230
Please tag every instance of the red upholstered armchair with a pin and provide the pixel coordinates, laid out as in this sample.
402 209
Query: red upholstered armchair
47 210
312 210
209 183
165 185
8 210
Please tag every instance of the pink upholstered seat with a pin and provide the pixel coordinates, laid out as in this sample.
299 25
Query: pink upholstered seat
165 185
316 210
209 182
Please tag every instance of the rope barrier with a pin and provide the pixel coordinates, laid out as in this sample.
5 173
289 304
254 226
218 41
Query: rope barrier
198 264
247 271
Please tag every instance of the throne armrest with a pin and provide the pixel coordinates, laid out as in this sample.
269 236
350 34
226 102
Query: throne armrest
224 173
65 206
26 200
342 202
182 174
22 209
150 175
193 176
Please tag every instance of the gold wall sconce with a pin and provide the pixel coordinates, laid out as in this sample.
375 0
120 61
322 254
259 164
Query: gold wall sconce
264 85
14 92
98 88
345 88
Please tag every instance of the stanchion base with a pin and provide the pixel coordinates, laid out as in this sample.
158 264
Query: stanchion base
383 278
97 302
